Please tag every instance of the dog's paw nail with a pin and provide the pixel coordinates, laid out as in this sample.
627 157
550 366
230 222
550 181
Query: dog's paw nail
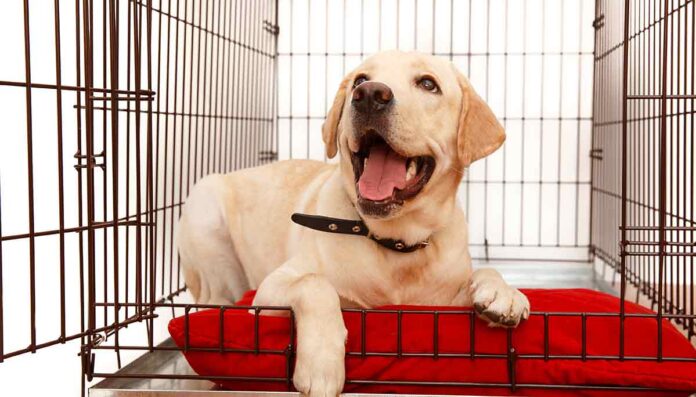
480 307
492 316
510 321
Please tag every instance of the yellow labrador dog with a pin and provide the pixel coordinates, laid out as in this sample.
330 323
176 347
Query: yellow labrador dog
406 126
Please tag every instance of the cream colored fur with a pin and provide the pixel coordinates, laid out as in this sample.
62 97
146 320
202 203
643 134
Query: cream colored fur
235 231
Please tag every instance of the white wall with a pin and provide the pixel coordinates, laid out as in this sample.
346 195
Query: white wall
533 192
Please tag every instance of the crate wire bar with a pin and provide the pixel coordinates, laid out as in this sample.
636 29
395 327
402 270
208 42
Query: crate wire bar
148 96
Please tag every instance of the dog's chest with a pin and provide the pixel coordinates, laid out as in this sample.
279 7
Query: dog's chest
381 283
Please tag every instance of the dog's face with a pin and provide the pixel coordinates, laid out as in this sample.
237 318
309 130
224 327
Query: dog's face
406 125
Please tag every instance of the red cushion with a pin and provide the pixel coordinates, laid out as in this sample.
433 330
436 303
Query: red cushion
565 336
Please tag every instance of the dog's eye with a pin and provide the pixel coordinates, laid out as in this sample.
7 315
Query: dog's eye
359 80
428 84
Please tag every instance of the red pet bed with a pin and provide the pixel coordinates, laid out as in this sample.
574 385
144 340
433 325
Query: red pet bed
565 338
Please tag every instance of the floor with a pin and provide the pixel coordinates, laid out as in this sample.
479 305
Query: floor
549 275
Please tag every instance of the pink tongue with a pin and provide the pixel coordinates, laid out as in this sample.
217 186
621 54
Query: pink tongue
385 171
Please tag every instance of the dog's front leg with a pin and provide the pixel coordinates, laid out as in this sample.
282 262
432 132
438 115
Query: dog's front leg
321 334
495 301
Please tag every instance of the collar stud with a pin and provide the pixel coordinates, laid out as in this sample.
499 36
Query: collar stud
356 227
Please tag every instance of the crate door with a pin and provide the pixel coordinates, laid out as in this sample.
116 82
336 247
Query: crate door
643 152
113 110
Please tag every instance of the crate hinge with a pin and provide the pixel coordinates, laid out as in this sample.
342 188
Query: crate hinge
271 28
597 154
598 22
268 155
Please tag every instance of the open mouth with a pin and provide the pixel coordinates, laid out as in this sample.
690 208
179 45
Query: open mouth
384 177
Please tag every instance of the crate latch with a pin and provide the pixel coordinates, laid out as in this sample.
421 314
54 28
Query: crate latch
91 161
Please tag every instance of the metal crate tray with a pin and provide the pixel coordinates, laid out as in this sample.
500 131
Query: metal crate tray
168 362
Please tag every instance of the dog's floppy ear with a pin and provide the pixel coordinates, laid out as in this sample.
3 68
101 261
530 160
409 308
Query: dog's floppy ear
479 133
329 131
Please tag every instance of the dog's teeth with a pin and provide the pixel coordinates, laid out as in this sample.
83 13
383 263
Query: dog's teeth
365 162
411 171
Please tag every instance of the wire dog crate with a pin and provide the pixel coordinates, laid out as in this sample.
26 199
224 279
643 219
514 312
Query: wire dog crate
138 99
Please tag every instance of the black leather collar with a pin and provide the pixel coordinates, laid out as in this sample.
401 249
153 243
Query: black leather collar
358 228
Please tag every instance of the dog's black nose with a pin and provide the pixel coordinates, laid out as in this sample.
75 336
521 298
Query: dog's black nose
372 97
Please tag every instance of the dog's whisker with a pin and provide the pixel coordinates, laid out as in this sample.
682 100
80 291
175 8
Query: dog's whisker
460 172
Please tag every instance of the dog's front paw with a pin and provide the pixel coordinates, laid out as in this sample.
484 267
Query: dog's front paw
320 366
498 303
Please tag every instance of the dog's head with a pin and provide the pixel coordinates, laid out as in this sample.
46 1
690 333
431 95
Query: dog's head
406 126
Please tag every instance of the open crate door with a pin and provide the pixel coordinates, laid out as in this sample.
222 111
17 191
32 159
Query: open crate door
138 101
643 153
